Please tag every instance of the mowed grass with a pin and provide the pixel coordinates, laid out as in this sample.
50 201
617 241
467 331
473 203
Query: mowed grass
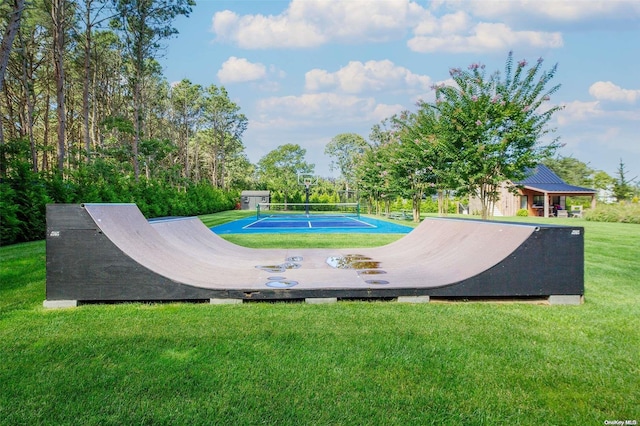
364 363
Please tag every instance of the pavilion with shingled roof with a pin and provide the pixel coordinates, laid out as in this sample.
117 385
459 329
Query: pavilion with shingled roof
542 193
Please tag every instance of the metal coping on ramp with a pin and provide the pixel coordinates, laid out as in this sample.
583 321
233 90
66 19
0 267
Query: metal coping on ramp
110 252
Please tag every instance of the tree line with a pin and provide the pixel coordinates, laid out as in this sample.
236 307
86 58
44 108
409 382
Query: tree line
483 130
87 116
82 85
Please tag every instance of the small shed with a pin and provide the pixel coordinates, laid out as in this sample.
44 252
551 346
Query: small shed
249 199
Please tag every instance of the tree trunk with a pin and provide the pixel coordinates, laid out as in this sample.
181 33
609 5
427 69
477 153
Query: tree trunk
417 198
57 15
136 127
45 137
5 50
9 34
29 98
187 166
221 179
86 82
441 210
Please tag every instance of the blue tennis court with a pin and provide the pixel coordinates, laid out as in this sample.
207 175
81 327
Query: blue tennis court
311 224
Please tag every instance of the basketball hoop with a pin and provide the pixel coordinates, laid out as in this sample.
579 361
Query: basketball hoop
307 180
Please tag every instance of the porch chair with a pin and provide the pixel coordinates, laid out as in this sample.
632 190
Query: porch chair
576 211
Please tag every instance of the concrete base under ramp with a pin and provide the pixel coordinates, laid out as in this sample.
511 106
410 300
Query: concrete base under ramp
110 252
59 304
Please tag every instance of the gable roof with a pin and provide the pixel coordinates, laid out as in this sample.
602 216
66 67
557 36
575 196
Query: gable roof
542 179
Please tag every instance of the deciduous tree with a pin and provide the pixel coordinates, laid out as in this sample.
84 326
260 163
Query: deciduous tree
493 125
571 170
279 169
346 149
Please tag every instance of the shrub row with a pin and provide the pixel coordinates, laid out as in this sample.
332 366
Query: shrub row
25 195
625 213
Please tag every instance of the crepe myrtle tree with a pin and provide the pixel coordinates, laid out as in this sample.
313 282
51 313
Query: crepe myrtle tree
492 126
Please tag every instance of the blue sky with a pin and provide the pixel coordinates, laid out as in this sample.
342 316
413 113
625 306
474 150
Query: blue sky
304 71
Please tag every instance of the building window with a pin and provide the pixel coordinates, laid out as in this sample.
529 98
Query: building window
538 200
524 201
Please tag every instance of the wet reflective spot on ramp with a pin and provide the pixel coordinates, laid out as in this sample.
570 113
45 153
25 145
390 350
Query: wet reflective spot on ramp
294 259
357 257
372 272
377 282
279 268
282 284
352 262
291 265
271 268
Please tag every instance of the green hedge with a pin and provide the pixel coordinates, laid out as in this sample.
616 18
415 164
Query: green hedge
625 213
25 195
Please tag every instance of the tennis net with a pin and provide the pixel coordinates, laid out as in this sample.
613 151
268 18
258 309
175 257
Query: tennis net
316 210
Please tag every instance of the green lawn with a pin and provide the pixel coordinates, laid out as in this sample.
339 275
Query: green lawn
364 363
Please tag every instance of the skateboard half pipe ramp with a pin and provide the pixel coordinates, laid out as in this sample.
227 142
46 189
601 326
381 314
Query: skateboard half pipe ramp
110 252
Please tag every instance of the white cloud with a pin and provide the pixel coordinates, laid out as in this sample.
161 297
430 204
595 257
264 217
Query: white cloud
384 111
471 26
261 32
579 111
318 79
315 105
358 77
324 109
236 70
483 37
309 23
548 10
448 24
607 91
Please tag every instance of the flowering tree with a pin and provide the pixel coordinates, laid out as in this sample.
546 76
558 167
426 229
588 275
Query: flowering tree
492 125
